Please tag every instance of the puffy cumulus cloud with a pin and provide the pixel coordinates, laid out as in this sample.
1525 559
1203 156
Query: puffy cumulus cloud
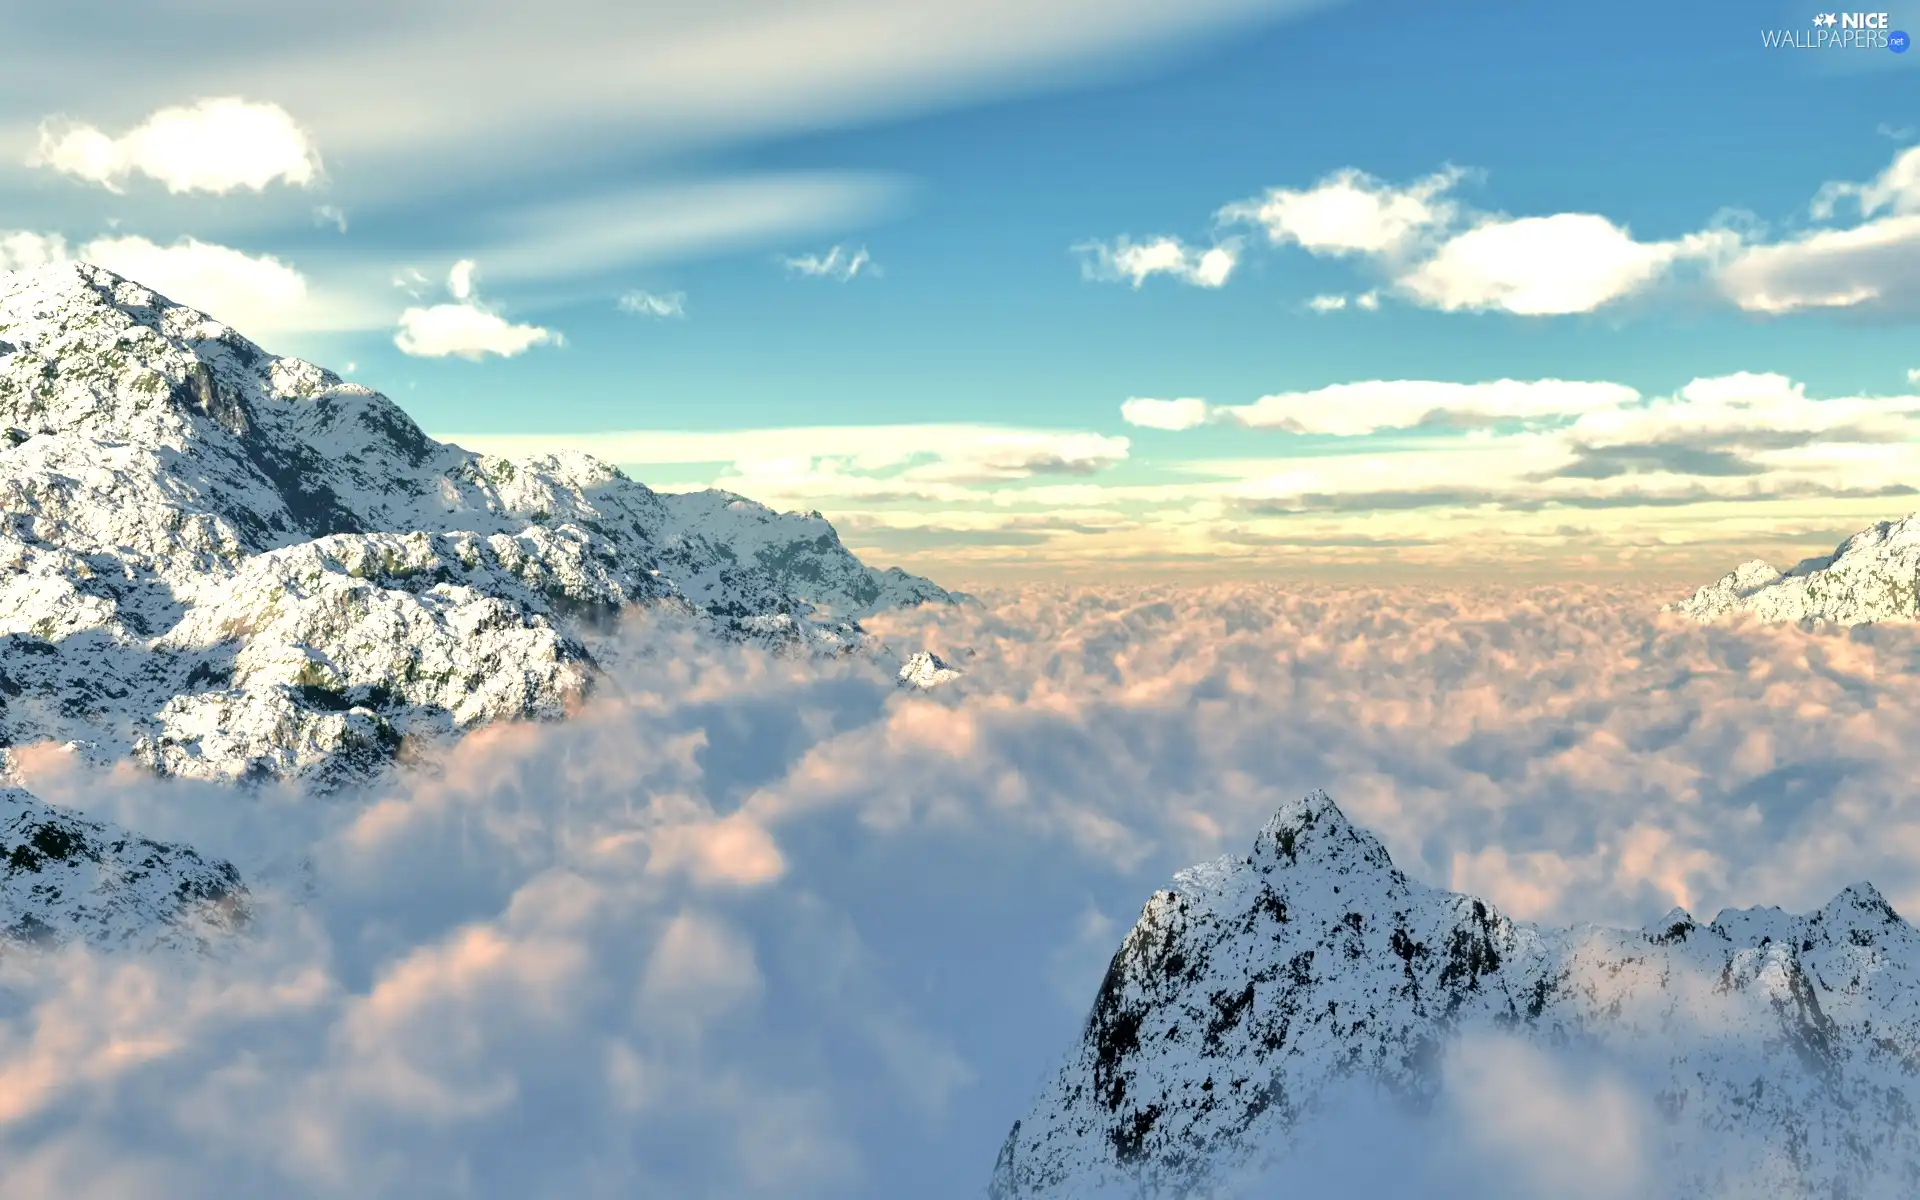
1435 250
748 926
647 304
245 290
1869 266
1126 261
216 145
259 294
1351 212
1354 409
22 249
1548 266
465 329
1184 413
837 263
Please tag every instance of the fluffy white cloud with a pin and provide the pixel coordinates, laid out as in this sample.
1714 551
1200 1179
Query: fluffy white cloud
648 304
1327 303
1351 212
244 290
21 249
460 279
467 329
216 145
1355 409
1126 261
1184 413
837 263
1546 266
1874 264
497 987
1750 405
1896 189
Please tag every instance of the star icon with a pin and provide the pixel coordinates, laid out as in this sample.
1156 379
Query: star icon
1827 19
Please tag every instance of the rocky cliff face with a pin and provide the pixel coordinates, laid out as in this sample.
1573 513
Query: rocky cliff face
1872 576
1780 1050
234 566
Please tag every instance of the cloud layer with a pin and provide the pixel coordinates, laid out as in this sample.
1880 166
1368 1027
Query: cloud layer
1548 477
747 927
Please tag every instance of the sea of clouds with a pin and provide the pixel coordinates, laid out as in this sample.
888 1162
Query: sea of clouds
747 926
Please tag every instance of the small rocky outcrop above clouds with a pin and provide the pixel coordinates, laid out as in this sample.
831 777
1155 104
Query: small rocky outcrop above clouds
1872 576
927 670
1780 1050
229 565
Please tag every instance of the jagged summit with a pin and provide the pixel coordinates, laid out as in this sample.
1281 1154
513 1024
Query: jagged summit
233 565
926 670
1780 1045
1872 576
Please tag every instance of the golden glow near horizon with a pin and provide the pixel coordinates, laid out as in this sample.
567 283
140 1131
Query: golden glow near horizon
1540 479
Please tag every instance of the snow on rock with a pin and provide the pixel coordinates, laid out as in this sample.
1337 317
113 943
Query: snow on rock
64 878
1779 1049
1872 576
229 565
926 670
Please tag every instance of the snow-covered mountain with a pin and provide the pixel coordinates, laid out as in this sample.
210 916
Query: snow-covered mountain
1872 576
1782 1052
62 878
231 566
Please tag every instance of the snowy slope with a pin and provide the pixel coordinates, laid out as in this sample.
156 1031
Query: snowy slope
234 566
63 877
1782 1050
1872 576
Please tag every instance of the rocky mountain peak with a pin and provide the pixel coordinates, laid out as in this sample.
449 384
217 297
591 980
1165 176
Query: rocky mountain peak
1255 985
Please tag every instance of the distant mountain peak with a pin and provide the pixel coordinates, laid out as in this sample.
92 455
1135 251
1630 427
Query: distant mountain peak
927 670
1872 576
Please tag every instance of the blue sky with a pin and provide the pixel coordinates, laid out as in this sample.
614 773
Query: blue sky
988 159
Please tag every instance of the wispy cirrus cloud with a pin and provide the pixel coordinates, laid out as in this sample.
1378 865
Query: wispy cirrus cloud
643 303
837 263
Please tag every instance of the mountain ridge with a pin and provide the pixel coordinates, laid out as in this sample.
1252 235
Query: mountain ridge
1781 1048
231 565
1872 576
